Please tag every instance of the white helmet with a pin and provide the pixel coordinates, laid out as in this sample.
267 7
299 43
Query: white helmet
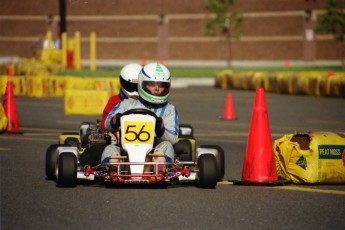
129 79
154 76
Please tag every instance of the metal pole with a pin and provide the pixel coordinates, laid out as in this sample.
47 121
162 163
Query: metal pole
62 16
226 31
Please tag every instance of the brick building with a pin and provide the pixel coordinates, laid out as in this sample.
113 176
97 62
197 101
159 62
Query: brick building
273 30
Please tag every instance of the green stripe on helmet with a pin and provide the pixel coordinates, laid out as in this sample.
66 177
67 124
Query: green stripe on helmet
151 98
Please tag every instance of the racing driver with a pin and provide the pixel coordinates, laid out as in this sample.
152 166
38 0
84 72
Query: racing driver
153 87
128 88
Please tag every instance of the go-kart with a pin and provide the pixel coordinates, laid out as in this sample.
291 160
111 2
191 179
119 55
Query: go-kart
65 162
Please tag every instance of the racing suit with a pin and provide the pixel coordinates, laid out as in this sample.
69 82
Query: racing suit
166 111
112 102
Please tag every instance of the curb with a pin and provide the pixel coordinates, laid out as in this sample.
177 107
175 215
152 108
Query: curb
186 82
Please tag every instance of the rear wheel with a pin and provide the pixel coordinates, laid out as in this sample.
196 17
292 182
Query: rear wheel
72 141
208 174
67 174
51 158
183 149
220 160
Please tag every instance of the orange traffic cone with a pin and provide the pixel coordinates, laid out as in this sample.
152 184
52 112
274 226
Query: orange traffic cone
143 60
259 165
229 113
9 72
286 64
10 106
161 61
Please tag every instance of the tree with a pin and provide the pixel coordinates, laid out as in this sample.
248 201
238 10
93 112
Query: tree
333 21
224 21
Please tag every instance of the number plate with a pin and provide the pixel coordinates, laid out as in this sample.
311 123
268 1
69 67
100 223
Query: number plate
138 132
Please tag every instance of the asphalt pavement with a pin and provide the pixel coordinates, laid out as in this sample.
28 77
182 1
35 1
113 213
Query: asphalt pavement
29 201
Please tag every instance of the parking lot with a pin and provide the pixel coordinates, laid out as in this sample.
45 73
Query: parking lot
30 201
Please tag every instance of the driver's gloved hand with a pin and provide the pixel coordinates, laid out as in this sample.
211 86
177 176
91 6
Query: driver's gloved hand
115 121
159 129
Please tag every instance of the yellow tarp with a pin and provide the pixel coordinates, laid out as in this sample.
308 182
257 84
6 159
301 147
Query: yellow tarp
85 102
3 82
18 82
56 86
3 119
37 86
79 83
19 85
110 84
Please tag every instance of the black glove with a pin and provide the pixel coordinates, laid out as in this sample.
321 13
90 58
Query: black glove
159 129
115 121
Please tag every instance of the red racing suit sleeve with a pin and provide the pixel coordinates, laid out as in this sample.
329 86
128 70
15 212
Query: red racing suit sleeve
112 102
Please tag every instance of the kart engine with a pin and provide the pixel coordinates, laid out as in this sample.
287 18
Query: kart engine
102 138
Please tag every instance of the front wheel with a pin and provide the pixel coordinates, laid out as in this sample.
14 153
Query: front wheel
67 173
220 159
208 173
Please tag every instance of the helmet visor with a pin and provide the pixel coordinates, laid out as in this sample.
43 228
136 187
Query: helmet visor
156 88
129 86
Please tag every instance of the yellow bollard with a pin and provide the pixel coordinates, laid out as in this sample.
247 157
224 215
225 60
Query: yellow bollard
93 51
49 40
64 49
76 52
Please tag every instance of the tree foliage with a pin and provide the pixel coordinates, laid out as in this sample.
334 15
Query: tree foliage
333 21
223 22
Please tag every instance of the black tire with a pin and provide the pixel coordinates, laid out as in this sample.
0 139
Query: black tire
72 141
208 172
92 155
83 130
85 140
221 163
51 158
184 150
67 174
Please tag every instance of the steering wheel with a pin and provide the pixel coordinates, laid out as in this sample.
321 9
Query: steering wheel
140 111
